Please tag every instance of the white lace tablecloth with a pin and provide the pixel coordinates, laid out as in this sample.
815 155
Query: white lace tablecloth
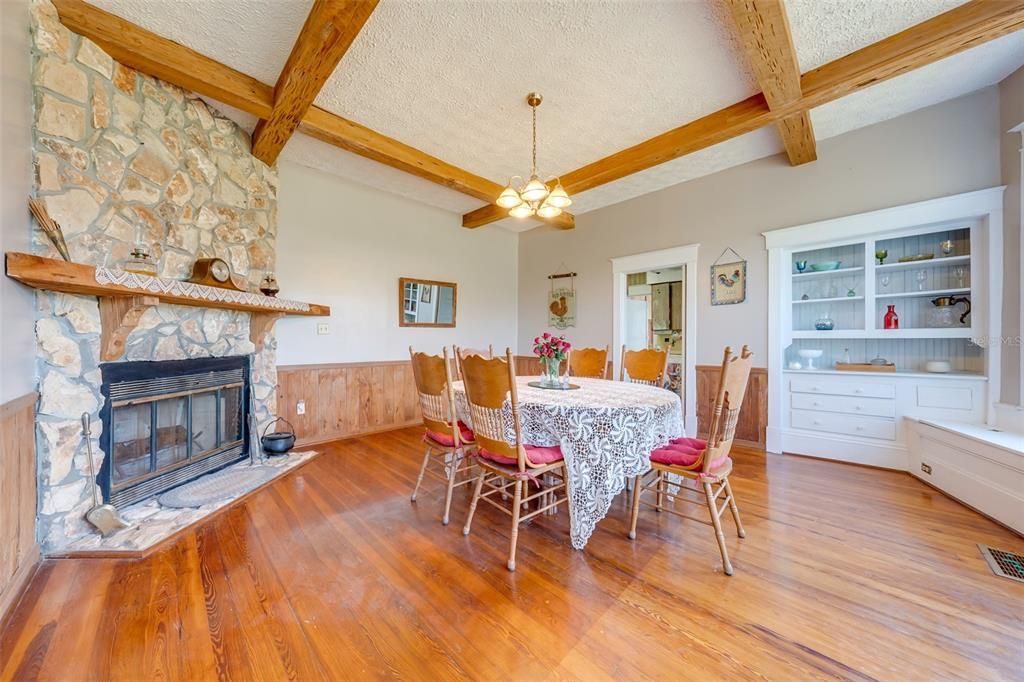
606 430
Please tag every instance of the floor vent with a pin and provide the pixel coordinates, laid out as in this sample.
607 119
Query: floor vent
1004 564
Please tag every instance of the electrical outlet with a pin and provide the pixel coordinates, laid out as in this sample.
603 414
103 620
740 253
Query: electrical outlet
322 328
926 468
300 407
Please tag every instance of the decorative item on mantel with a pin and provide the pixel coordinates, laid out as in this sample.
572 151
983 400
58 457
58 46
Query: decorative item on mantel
881 255
562 301
269 286
139 261
49 227
729 280
214 272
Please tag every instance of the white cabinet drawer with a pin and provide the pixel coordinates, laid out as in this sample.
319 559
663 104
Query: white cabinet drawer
875 407
853 425
825 387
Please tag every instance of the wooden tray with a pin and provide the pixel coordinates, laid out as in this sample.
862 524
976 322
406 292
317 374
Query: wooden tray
864 367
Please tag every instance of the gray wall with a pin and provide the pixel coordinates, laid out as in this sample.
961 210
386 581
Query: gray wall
16 302
950 148
1011 99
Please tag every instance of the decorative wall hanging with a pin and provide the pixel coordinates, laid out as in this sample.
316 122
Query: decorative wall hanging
49 227
562 302
728 280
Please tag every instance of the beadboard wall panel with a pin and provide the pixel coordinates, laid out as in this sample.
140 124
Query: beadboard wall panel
20 553
347 399
753 413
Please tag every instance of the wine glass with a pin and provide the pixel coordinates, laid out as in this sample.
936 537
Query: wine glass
959 273
884 281
921 277
946 247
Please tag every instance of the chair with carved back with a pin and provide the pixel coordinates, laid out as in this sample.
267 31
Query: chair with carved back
646 366
706 462
464 352
490 384
589 362
449 442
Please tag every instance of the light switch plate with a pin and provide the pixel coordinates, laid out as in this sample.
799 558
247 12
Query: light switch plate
323 328
300 407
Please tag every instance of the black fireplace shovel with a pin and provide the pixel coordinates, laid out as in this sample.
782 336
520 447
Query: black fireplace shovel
103 516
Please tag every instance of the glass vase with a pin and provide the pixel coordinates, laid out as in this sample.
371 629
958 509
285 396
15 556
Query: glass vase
551 370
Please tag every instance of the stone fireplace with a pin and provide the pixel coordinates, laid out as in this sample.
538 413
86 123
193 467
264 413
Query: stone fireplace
119 158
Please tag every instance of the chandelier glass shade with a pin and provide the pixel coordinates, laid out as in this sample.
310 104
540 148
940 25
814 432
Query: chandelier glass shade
534 196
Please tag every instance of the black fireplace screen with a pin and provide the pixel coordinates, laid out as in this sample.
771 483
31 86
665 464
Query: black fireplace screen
166 423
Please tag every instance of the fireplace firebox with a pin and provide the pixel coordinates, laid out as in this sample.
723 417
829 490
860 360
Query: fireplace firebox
168 422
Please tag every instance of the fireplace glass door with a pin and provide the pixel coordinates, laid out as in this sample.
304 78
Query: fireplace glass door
189 427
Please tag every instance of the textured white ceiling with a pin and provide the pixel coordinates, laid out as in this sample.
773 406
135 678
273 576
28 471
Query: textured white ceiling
450 77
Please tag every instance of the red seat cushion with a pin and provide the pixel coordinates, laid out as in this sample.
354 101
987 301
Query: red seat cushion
695 443
445 439
676 455
536 454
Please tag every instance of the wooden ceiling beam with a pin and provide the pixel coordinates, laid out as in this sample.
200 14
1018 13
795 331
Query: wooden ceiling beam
167 60
326 35
969 25
764 31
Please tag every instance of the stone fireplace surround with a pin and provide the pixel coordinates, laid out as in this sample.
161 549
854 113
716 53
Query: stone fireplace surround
121 157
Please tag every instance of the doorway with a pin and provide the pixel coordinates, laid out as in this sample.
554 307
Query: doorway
654 306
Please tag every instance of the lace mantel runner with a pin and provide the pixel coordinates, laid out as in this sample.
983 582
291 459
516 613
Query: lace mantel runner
607 430
200 292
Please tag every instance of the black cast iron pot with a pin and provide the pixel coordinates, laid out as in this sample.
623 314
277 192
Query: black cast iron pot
278 442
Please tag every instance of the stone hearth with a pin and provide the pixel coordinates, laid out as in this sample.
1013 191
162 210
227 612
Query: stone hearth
121 157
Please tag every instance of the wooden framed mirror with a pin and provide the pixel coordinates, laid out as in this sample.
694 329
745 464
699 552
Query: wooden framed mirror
426 303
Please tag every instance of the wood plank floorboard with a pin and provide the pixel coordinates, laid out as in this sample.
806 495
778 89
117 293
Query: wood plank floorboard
331 573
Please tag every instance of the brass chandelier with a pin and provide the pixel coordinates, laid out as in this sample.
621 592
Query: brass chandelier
533 197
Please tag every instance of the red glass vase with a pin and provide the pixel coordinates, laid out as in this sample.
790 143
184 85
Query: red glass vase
892 320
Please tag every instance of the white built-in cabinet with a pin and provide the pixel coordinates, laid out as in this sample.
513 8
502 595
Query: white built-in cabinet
863 416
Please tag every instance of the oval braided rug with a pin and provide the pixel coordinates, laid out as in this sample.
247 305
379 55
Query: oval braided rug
218 486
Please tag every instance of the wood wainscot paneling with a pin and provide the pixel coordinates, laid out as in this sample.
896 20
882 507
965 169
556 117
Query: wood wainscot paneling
347 399
753 413
19 553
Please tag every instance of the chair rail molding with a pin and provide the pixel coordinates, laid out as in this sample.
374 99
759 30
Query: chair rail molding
652 260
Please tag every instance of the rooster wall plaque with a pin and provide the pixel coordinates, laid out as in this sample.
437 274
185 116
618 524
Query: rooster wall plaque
728 280
562 302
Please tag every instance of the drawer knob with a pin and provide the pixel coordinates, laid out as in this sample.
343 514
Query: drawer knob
857 407
858 390
860 428
816 403
817 423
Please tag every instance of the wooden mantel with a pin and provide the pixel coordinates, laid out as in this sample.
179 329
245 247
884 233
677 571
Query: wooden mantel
121 306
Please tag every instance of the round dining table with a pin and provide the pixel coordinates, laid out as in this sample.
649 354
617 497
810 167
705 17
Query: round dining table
606 429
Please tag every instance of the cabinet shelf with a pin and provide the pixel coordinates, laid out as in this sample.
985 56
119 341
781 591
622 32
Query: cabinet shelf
923 264
922 333
825 273
837 299
925 294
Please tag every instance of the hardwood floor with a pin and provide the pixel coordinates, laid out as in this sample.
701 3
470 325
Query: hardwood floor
331 573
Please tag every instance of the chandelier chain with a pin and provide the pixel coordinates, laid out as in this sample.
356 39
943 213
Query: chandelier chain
534 109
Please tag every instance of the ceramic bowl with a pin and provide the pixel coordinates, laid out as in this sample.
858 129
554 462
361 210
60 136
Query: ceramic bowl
810 353
937 366
827 265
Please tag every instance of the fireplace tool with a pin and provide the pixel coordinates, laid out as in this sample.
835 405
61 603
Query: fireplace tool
103 516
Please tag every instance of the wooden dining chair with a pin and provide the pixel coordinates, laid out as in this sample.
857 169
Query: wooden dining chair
489 384
589 362
464 352
707 462
449 442
643 366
